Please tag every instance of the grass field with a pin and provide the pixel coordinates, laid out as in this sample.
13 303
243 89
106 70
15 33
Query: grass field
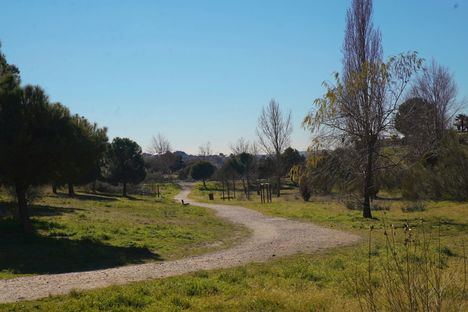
90 232
319 282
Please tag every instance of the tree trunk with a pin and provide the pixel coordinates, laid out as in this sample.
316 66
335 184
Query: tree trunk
243 185
71 189
223 189
368 184
248 189
93 187
23 211
278 185
234 188
124 190
278 174
54 188
228 190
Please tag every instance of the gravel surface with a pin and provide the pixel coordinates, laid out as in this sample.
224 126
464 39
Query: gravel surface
271 237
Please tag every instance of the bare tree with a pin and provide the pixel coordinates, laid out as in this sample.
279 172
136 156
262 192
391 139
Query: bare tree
245 161
160 145
205 150
243 146
274 133
358 109
437 86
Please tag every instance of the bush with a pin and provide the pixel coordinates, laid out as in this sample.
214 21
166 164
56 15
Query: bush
380 206
413 276
414 207
443 175
352 203
304 188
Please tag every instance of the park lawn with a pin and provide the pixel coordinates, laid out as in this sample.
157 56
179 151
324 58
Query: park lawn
450 217
447 220
297 283
319 282
90 232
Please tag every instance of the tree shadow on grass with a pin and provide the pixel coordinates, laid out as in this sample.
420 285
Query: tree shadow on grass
43 210
9 208
36 254
93 197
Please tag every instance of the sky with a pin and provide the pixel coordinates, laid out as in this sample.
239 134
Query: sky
199 71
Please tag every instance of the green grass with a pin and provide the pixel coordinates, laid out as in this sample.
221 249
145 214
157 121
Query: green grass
329 211
90 232
319 282
290 284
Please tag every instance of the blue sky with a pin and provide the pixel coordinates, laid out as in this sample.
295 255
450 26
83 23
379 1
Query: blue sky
200 71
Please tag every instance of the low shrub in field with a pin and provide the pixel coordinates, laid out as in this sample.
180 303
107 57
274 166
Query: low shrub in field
305 188
380 206
439 176
413 273
352 203
414 207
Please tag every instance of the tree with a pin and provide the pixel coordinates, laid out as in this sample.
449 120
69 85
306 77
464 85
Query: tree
125 163
437 86
202 170
461 122
358 109
83 155
290 158
9 74
241 146
274 132
295 173
160 145
304 188
244 161
414 119
266 167
205 150
229 171
164 163
244 165
32 139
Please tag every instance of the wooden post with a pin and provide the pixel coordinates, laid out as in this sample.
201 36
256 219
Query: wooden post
269 185
223 188
263 192
259 191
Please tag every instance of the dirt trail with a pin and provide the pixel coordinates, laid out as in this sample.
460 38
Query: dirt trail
271 237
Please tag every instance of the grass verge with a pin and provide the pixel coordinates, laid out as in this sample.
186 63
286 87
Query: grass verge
318 282
89 232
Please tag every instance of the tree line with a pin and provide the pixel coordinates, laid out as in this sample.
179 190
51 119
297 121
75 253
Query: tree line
42 142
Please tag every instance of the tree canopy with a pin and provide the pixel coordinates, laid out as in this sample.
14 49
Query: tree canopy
125 163
202 170
83 155
32 141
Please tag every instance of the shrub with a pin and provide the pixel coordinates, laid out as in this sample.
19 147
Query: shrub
304 188
380 206
442 175
413 275
352 203
414 207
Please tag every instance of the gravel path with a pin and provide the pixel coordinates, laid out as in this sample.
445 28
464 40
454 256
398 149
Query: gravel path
271 237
